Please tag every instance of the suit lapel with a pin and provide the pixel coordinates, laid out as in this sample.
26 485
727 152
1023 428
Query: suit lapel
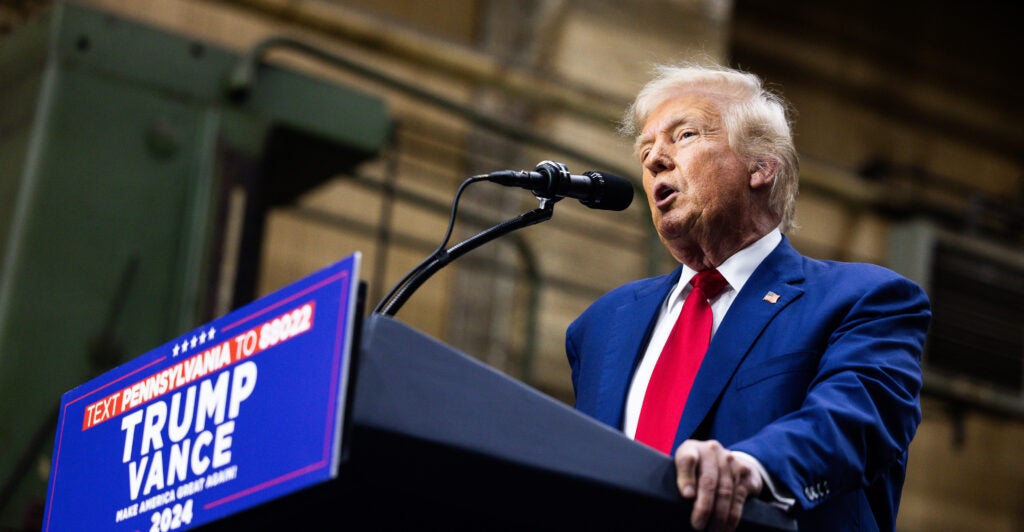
747 318
628 334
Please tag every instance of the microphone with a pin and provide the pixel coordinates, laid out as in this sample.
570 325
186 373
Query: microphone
597 190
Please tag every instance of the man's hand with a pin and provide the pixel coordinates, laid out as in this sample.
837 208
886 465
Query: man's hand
718 482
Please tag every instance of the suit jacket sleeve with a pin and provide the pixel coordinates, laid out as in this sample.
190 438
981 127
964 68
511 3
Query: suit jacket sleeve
861 406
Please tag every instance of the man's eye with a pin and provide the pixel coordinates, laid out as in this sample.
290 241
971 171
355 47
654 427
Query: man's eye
686 134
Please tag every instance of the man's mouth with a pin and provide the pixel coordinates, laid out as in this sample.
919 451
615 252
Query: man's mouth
663 194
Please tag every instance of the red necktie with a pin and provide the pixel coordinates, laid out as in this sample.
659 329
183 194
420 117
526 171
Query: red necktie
678 364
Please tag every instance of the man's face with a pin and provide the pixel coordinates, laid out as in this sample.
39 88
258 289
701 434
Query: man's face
697 187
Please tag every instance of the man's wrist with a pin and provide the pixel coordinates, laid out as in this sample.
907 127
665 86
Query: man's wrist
774 493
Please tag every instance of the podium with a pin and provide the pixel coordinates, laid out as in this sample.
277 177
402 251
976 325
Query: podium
437 439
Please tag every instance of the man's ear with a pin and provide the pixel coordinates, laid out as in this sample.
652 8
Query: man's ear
762 173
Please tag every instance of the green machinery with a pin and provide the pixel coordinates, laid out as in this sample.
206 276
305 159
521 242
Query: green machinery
133 190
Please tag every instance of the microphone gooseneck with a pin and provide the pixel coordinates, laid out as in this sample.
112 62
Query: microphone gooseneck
550 182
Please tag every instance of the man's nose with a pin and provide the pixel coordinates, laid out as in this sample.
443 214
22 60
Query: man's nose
658 160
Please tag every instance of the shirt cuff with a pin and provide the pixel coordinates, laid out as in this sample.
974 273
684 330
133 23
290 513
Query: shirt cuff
777 496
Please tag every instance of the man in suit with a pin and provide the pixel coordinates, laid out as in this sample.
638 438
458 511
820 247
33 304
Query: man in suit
808 393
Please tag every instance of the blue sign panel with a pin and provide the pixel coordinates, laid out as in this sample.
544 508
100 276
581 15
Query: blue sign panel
242 410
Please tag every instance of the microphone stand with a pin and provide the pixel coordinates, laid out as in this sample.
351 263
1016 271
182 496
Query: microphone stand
398 296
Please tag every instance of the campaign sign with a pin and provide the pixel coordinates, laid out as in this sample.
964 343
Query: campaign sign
242 410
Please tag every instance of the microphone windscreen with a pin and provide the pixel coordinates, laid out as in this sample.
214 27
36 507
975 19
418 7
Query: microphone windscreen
616 193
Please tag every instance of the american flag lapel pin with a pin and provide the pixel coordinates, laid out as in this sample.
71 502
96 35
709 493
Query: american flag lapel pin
771 297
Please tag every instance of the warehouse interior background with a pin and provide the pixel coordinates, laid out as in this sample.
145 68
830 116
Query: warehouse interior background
149 183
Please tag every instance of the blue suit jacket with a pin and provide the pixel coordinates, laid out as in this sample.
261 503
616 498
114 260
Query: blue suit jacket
822 386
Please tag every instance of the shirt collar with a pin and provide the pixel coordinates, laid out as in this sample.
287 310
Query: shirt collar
738 268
